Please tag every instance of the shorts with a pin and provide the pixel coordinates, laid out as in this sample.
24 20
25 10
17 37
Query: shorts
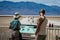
15 35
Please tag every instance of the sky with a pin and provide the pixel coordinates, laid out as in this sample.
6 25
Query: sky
46 2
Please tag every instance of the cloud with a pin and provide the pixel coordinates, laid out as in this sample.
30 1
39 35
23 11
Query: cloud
1 0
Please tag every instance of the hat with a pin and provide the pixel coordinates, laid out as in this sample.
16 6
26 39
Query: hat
16 15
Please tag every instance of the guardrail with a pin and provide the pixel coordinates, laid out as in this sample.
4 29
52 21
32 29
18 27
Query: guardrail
53 33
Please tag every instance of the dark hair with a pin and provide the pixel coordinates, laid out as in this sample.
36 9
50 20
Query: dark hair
42 11
15 18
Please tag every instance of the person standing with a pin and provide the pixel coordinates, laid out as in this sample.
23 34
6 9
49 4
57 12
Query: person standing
41 26
15 27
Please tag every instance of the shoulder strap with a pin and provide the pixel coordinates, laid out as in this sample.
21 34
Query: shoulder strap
43 20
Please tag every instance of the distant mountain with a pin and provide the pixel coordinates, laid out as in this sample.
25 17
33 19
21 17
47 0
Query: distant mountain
26 8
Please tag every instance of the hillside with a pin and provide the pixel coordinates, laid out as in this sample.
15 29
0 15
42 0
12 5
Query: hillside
26 8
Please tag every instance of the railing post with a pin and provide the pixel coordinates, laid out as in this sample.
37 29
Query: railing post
53 33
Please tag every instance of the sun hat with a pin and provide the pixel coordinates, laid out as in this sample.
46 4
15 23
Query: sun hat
17 15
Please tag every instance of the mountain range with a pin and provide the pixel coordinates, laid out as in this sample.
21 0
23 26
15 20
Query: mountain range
26 8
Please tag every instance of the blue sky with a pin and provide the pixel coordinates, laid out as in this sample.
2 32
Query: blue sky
47 2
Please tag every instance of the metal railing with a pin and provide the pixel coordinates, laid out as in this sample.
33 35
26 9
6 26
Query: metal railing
53 33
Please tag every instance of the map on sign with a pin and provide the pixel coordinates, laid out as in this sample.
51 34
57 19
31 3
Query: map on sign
28 29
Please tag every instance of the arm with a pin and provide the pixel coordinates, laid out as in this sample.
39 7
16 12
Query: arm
38 25
10 25
19 25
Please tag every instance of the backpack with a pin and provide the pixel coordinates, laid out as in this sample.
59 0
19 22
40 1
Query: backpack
14 25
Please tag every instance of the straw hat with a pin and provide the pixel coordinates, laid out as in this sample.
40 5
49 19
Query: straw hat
17 15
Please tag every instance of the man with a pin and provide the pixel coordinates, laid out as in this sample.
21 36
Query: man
41 26
15 27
